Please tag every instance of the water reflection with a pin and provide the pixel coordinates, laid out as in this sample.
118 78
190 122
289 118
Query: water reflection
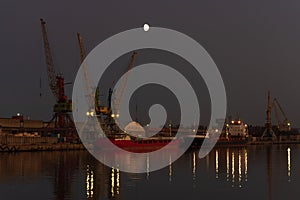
246 165
289 163
170 169
240 169
232 169
217 164
270 173
236 163
227 164
148 167
194 165
89 182
115 182
77 175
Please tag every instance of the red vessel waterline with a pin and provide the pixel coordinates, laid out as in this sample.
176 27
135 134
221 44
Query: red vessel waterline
138 145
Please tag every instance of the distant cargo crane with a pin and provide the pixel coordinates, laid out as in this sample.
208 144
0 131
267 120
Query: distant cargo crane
285 124
63 106
268 132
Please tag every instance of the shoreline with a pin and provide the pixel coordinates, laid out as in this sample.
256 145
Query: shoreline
66 146
41 147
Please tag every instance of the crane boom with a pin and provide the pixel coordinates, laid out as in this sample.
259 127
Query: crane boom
85 72
82 52
90 96
118 100
49 61
285 125
281 110
276 112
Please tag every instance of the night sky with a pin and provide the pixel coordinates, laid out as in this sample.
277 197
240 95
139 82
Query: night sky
254 43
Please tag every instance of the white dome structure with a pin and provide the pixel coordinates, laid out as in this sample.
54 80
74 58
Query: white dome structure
135 129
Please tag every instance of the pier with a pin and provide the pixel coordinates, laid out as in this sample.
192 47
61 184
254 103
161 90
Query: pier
18 144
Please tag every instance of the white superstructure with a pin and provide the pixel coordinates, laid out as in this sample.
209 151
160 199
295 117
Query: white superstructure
236 128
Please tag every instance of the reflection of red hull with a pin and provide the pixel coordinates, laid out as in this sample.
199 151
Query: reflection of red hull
139 146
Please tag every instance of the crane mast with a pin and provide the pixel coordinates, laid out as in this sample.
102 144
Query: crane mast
268 132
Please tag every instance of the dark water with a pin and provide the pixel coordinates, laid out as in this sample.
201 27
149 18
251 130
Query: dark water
255 172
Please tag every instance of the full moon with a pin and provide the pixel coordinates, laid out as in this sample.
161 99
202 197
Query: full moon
146 27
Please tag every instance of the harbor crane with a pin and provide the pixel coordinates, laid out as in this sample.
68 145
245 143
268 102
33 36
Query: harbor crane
104 114
92 96
63 105
93 108
285 124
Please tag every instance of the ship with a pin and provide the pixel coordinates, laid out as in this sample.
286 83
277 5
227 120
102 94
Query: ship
236 133
134 139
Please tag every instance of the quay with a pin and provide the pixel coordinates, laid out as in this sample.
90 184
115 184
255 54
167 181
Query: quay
18 144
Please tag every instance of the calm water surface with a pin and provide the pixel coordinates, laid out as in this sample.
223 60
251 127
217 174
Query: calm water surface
255 172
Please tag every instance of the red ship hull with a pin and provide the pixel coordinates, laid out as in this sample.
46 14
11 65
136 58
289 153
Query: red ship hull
138 146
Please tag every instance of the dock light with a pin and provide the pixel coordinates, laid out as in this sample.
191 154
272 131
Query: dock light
227 125
92 113
217 130
239 121
112 115
246 125
18 114
232 122
117 115
87 113
146 27
289 124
